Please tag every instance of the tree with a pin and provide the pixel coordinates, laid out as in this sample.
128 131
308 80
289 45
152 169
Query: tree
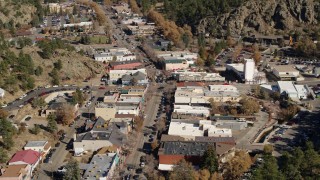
3 114
38 102
58 65
268 170
237 50
3 155
73 170
182 170
214 107
107 3
210 160
78 97
55 77
268 149
239 164
52 123
138 123
35 130
7 131
38 71
66 114
154 145
204 174
249 106
256 57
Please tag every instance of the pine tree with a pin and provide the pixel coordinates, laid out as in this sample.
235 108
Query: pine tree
52 123
210 160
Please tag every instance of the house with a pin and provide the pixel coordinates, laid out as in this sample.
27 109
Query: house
98 134
191 129
174 148
29 157
40 146
111 98
105 110
16 172
55 106
2 92
101 166
137 78
116 75
286 72
125 124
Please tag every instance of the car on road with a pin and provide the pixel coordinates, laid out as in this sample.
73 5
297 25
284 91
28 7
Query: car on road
142 164
55 86
5 105
28 118
20 106
11 116
102 87
139 171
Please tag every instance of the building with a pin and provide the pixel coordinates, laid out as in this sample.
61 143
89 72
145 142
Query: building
114 54
175 64
2 92
128 107
116 75
101 167
105 110
16 172
26 157
174 148
177 54
198 95
135 98
137 78
192 110
286 72
190 130
85 25
295 92
315 71
141 30
248 69
125 65
98 134
197 76
122 8
40 146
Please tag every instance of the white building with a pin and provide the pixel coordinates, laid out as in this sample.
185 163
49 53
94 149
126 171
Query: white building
286 72
249 67
239 70
80 24
295 92
177 54
192 129
39 146
196 110
197 76
2 93
116 54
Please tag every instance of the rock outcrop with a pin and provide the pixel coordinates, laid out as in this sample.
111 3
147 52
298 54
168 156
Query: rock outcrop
270 16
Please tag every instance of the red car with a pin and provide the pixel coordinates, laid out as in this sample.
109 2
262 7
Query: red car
102 87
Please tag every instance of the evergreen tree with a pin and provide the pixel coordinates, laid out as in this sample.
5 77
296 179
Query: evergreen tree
52 123
73 171
3 155
210 160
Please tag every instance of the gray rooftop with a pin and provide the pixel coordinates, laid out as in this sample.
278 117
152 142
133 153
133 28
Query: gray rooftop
185 148
36 144
99 166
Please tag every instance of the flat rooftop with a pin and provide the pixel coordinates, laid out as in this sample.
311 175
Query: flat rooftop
36 143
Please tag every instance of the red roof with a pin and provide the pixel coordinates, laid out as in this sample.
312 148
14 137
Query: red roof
27 156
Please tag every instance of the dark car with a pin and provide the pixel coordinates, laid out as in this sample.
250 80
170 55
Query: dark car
139 171
28 118
136 177
57 144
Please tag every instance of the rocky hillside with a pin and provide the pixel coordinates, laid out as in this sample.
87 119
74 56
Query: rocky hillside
21 13
271 16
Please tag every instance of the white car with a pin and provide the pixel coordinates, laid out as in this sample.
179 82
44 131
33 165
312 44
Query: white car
142 164
89 102
5 105
55 86
20 106
66 85
47 86
21 97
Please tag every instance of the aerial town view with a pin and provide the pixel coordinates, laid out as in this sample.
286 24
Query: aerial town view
160 89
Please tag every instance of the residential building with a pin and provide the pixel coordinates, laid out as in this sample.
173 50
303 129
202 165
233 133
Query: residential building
174 148
16 172
29 157
116 75
286 72
122 8
295 92
137 78
134 20
2 92
40 146
114 54
191 129
111 98
105 110
101 167
125 124
197 76
98 134
131 98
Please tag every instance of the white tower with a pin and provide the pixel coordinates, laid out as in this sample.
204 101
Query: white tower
249 70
